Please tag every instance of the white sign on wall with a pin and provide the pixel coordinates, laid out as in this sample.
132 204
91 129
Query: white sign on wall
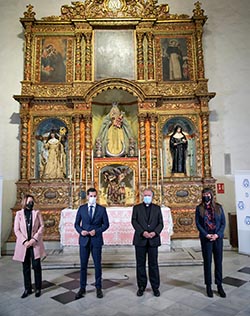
242 197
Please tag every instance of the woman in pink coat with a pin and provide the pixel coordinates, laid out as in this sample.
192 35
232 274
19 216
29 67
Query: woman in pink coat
29 248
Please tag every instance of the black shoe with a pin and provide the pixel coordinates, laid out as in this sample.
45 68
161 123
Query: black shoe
80 294
209 291
26 293
140 291
156 292
37 293
99 293
221 291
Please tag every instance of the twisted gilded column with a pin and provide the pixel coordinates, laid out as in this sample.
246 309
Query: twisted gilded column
153 118
142 146
140 59
27 57
200 60
77 150
88 147
150 56
24 146
28 20
78 57
88 56
199 19
205 144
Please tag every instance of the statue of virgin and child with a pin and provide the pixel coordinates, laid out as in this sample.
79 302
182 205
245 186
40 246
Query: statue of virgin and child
115 137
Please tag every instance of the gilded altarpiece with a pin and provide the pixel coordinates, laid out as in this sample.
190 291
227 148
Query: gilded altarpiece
114 95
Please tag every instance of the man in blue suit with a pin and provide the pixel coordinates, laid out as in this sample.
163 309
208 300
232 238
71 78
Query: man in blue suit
148 223
91 221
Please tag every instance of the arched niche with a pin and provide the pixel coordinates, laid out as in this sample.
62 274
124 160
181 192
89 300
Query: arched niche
58 159
189 131
126 105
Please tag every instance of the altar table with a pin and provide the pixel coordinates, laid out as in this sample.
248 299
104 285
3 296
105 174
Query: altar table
120 231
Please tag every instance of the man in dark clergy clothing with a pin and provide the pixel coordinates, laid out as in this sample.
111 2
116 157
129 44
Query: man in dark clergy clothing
148 223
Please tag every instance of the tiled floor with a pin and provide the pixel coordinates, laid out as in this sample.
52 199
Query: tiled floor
182 291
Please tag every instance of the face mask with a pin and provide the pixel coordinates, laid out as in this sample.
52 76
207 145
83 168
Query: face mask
206 198
30 205
147 199
92 200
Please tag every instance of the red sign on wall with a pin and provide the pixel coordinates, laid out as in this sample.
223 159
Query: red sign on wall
220 188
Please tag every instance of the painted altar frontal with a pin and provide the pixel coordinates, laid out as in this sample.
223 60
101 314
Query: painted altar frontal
120 231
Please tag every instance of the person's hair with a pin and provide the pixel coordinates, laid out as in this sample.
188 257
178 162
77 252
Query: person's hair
148 189
25 198
91 190
215 206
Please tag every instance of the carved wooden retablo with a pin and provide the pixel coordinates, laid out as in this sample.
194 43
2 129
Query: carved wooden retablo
114 95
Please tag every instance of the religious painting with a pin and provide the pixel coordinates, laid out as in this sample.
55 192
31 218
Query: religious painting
175 59
114 54
52 146
53 60
179 147
117 185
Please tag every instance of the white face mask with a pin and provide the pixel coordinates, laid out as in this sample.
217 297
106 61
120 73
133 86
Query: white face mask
92 200
147 199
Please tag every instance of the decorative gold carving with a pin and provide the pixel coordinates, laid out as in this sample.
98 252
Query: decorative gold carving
29 14
172 196
140 61
114 9
51 225
184 223
88 57
24 146
153 118
78 66
142 146
88 147
205 143
158 101
150 38
198 11
77 151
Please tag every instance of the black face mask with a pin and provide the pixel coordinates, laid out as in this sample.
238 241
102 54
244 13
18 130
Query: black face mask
206 198
30 205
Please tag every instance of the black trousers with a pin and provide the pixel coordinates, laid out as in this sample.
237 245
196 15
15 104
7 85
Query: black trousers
153 268
36 265
212 249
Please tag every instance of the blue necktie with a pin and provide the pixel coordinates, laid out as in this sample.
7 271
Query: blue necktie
91 211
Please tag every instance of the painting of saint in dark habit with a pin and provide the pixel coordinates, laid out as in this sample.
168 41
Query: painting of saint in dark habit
174 59
53 60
